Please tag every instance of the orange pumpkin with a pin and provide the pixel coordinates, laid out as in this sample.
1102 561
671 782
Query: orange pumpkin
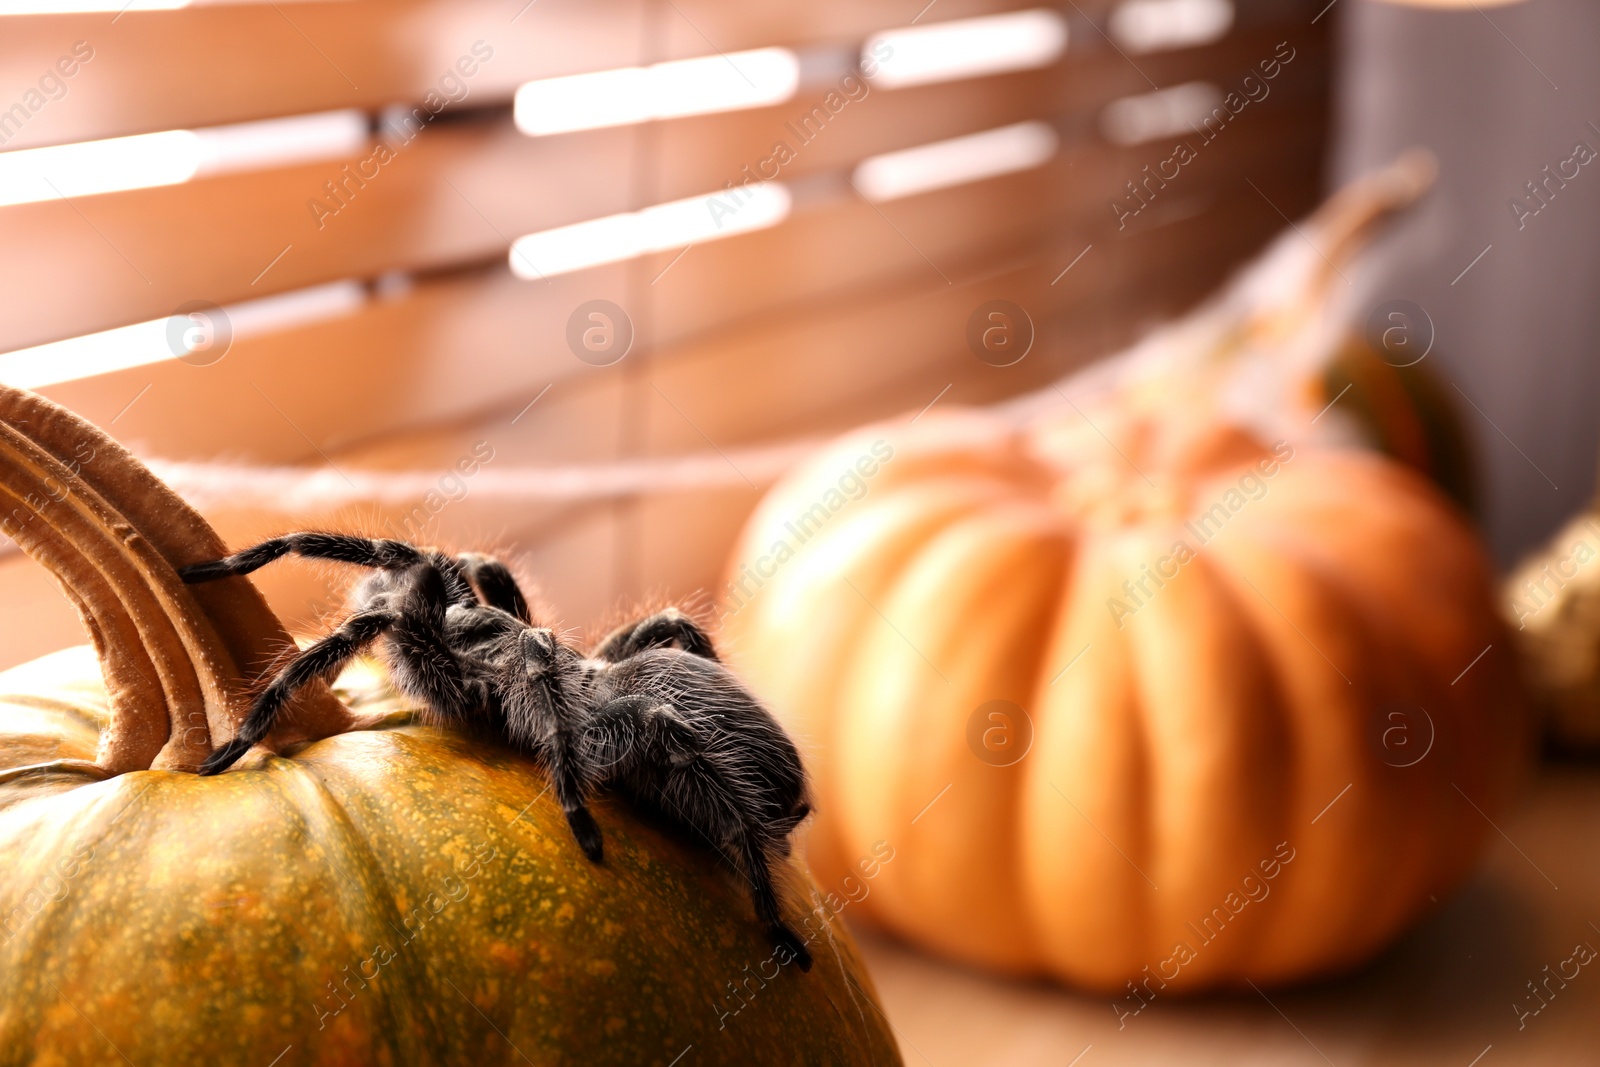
1179 712
385 893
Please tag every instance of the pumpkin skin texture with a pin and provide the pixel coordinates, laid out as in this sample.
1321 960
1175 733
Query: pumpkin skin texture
392 895
1234 719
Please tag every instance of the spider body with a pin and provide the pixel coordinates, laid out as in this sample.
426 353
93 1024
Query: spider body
651 713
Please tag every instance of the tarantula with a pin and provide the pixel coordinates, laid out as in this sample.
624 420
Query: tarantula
651 712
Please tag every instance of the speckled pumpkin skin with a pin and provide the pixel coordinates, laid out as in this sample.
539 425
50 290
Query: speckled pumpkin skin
391 896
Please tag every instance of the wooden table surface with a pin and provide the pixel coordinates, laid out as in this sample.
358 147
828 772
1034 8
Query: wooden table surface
1447 994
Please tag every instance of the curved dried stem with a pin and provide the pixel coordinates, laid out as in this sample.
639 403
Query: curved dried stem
1347 223
176 659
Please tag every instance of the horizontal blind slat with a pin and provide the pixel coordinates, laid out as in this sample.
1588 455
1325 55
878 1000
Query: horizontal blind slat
458 346
456 193
261 60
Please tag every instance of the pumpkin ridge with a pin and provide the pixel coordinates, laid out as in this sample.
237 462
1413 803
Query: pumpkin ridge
1396 882
1046 803
1142 817
1255 934
77 715
1481 728
91 815
297 779
1206 729
1423 653
1294 814
946 568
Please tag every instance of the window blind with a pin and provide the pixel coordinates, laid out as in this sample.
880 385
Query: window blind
392 203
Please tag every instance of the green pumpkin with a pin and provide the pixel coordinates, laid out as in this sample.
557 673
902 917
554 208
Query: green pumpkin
1405 413
389 895
380 892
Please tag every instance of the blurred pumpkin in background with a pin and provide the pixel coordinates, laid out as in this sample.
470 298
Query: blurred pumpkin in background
1194 702
1552 603
1405 413
385 893
1169 683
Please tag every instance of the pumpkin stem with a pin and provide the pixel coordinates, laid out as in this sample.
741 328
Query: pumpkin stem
1349 220
176 658
86 768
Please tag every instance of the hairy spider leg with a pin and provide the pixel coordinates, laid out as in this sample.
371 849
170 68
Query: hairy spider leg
421 662
342 548
320 660
412 616
386 556
656 631
758 868
552 734
620 731
494 584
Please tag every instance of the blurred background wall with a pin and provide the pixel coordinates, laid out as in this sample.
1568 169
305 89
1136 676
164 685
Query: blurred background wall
1499 94
405 337
390 328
